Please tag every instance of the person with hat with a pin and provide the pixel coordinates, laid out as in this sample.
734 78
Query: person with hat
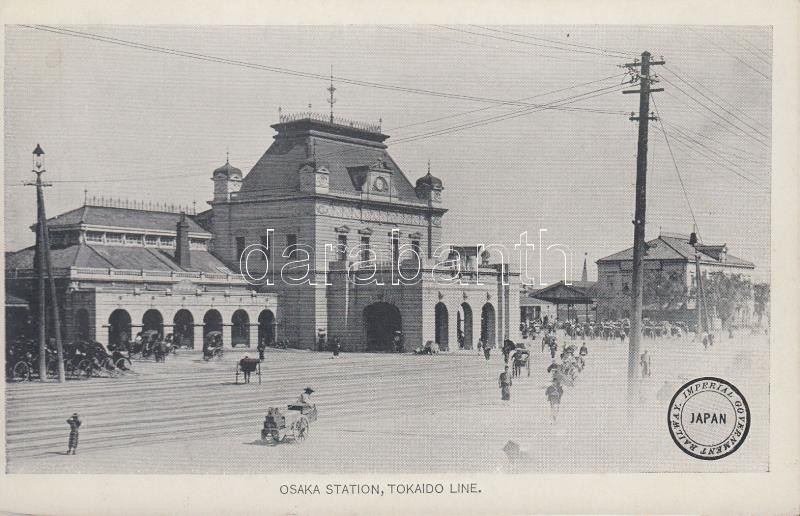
305 398
74 423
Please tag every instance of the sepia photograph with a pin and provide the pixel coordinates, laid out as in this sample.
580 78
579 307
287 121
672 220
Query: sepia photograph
388 249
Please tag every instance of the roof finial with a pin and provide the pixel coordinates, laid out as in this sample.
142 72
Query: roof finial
227 156
331 89
85 196
429 166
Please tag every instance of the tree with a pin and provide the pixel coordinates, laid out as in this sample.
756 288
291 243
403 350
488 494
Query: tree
664 290
725 293
761 300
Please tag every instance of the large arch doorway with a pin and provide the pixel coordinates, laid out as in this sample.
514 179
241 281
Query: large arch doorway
381 321
240 331
82 324
442 326
153 320
119 327
465 326
266 327
488 333
183 329
212 321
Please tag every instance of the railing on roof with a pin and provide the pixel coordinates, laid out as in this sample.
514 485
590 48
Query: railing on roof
96 273
308 115
164 207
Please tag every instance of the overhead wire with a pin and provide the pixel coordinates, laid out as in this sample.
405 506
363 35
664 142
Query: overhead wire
620 53
501 38
269 68
715 102
734 56
463 113
524 51
712 111
674 163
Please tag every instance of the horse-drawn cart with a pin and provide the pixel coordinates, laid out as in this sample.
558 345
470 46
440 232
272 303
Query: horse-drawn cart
293 424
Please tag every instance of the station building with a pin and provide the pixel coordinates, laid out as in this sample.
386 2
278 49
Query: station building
327 203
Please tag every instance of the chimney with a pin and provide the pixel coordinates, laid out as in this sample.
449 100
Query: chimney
182 255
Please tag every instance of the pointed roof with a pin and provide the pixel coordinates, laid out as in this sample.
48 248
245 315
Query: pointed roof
578 292
671 246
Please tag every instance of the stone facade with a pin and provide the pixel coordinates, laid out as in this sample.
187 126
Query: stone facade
331 191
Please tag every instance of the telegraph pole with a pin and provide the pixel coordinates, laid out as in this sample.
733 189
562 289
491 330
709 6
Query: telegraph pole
644 117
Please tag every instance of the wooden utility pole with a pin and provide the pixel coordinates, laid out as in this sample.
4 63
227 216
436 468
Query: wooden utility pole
644 117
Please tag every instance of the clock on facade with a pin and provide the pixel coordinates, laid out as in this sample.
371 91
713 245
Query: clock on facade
380 184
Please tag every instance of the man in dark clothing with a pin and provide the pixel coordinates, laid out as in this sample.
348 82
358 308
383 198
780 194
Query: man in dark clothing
74 424
553 393
261 347
505 385
584 350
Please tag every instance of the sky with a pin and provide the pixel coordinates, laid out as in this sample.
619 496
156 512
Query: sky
139 125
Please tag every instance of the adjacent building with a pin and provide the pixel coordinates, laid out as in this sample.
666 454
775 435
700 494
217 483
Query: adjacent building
671 287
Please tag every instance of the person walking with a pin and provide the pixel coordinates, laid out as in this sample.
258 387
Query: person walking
74 424
505 385
644 360
246 368
554 393
262 346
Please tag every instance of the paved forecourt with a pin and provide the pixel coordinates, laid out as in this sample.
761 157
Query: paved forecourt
378 412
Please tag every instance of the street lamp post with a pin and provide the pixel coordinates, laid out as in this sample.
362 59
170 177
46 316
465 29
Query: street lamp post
44 267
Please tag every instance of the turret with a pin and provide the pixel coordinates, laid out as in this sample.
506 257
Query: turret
227 180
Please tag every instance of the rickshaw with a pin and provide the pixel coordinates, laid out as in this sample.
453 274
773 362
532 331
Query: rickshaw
212 345
521 357
294 424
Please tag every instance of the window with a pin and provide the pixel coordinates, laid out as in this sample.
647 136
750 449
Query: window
291 246
167 241
365 248
415 247
266 242
395 248
196 243
133 239
239 247
341 248
94 236
151 240
114 238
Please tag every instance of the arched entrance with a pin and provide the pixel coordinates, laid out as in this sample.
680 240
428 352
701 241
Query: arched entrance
82 324
119 327
465 326
488 334
153 320
442 326
212 321
381 321
183 328
266 327
240 332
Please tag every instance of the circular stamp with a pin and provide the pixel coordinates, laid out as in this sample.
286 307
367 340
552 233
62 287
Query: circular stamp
708 418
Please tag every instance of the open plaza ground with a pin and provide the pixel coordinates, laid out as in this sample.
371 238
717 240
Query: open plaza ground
382 413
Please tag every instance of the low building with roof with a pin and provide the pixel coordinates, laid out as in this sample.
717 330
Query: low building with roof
669 265
120 270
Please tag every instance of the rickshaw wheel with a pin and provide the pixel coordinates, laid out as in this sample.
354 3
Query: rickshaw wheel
21 372
84 368
123 365
300 429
